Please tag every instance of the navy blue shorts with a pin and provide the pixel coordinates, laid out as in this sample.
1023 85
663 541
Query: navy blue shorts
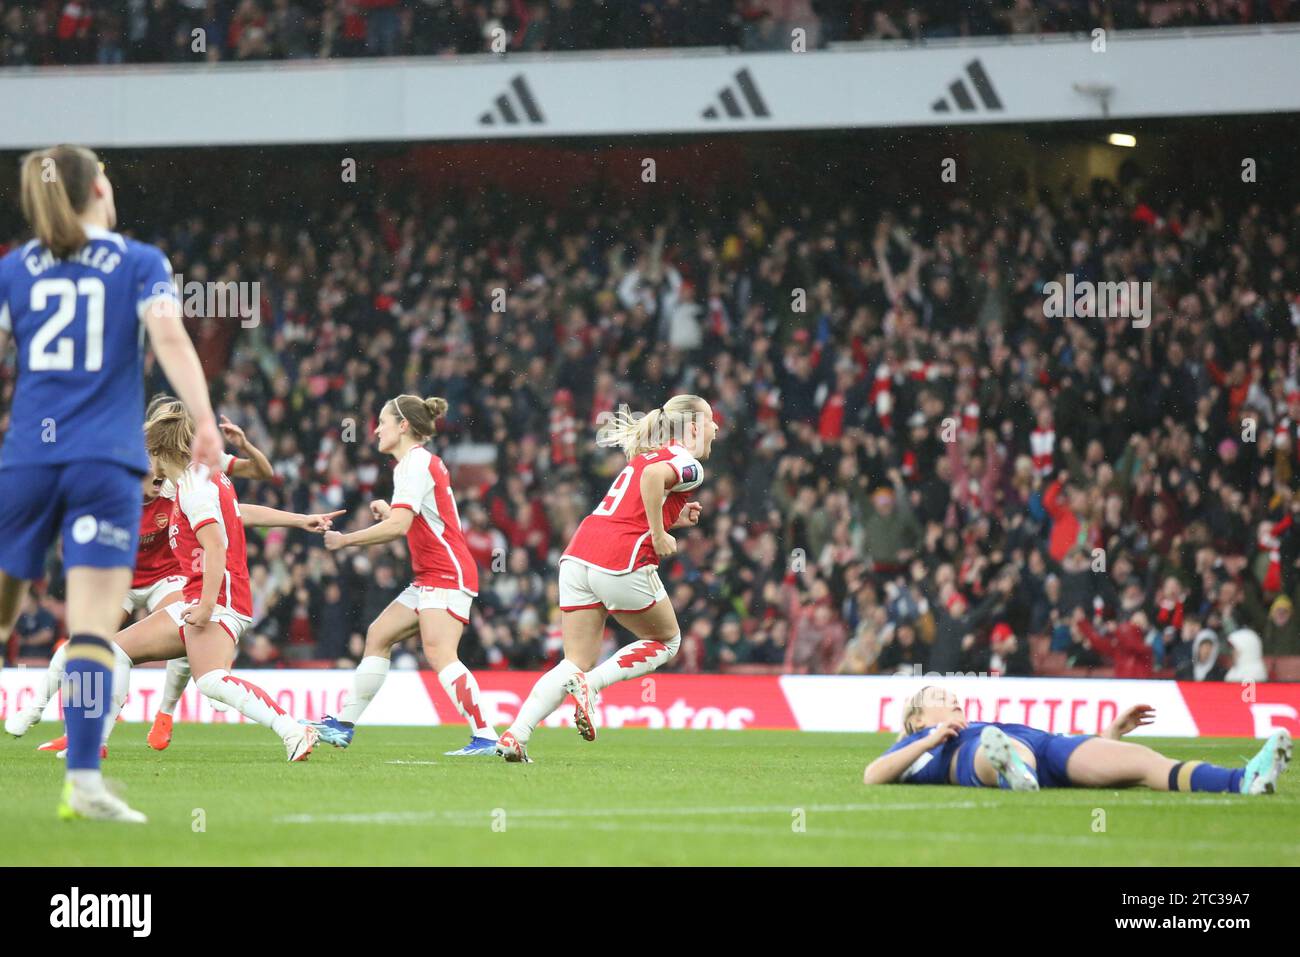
1051 753
95 506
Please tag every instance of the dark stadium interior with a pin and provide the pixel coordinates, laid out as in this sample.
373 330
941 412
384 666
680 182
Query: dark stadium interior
621 290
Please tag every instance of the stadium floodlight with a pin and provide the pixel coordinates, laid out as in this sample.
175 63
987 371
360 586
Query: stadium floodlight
1099 91
1122 139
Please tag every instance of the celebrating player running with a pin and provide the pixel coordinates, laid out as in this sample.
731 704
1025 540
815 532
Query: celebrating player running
437 603
611 566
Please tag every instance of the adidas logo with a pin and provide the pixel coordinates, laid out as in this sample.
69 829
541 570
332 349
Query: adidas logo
961 95
508 110
731 105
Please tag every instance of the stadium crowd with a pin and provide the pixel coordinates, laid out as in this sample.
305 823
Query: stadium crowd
44 32
917 466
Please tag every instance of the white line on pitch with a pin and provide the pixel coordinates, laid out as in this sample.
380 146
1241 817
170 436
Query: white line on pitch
418 817
576 821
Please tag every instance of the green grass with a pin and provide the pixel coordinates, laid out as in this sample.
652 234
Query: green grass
635 797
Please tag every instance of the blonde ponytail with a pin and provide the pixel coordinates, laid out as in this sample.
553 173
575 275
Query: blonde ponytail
422 414
635 433
55 188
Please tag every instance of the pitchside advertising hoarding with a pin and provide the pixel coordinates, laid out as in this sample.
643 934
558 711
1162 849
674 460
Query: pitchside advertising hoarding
736 703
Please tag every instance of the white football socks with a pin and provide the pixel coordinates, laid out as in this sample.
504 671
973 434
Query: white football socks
462 689
366 682
53 678
178 676
249 700
121 685
546 696
632 661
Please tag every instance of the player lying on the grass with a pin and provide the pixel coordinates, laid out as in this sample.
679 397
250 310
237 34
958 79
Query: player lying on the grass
939 746
157 582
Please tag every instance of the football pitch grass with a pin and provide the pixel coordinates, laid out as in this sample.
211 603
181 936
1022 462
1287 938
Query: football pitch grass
224 795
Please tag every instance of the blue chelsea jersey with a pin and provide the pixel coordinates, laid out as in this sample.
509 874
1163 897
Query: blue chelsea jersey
77 324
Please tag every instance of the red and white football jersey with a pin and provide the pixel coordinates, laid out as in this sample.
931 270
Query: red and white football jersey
154 560
438 551
204 498
616 535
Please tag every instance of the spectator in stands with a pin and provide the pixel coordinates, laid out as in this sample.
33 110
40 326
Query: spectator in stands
1065 505
83 31
1203 663
889 528
818 635
1046 617
35 630
1247 657
333 627
956 623
901 652
1002 654
1179 649
731 648
1282 630
1123 643
862 652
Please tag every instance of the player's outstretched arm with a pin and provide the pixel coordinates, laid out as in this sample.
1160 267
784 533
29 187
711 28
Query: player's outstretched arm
263 516
394 526
171 344
253 463
887 768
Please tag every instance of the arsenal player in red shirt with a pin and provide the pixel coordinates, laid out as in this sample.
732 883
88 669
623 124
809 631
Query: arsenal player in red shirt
157 582
437 604
611 565
206 535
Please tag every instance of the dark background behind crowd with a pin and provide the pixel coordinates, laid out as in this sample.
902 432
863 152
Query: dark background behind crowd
44 32
918 467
